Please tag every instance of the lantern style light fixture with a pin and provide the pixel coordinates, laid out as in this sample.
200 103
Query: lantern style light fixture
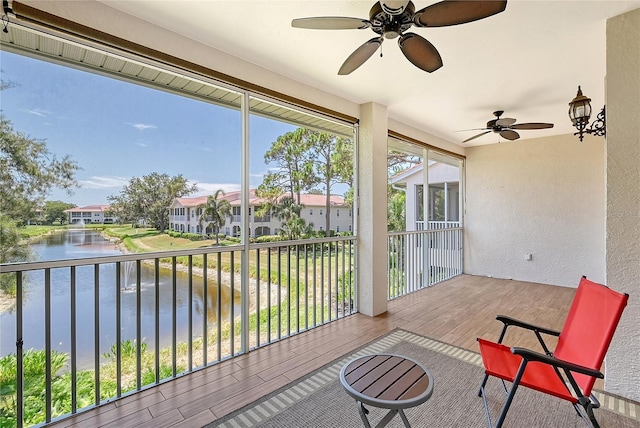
580 112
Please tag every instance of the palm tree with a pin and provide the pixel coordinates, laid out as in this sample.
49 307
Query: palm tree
293 226
287 208
214 212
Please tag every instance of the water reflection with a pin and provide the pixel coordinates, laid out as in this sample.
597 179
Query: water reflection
104 294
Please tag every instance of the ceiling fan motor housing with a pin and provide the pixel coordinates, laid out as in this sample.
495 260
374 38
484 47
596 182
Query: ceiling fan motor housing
388 25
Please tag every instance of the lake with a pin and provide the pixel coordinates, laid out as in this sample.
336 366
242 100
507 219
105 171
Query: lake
86 243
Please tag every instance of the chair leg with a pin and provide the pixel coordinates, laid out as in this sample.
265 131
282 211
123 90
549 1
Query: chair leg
482 385
512 393
592 417
505 407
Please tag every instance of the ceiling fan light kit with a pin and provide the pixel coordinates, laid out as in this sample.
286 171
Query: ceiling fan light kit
391 19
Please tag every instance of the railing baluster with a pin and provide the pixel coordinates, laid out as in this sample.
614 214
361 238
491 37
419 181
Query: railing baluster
232 301
258 271
289 308
19 353
219 309
322 283
47 342
269 295
336 280
205 308
344 277
306 288
190 317
353 291
138 325
156 290
72 339
279 292
96 332
118 329
315 297
297 288
174 315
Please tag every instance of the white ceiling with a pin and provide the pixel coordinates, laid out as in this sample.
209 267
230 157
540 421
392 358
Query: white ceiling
527 60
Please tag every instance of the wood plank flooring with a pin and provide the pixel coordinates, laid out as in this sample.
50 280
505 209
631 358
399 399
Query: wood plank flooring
456 311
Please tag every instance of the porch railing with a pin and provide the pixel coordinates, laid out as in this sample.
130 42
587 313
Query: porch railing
444 224
111 326
418 259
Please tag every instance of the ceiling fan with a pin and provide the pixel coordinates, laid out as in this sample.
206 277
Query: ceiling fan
390 19
505 127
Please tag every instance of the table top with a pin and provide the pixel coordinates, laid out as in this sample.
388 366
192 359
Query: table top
387 380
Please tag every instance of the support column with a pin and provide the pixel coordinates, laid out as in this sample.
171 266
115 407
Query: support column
622 364
372 210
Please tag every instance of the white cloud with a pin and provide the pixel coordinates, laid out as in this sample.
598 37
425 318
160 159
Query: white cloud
142 126
205 189
141 144
103 182
39 112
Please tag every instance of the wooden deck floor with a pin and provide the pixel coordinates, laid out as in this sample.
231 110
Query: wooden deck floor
456 311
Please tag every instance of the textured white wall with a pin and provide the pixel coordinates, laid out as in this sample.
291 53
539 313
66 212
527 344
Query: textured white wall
623 198
542 196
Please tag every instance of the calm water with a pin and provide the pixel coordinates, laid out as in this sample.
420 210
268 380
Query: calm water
73 244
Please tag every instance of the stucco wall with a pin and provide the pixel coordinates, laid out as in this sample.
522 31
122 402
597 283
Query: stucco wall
623 198
541 196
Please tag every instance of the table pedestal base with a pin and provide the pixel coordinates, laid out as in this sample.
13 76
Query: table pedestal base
384 421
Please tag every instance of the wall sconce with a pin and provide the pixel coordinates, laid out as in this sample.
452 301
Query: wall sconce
580 112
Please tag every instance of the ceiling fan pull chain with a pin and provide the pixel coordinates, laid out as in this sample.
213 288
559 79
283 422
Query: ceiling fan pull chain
380 50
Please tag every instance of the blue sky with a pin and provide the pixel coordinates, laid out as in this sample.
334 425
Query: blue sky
116 130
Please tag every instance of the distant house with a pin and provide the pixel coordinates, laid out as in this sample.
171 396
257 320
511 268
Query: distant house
443 198
184 215
91 214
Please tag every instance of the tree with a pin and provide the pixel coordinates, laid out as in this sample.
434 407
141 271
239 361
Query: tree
54 211
214 212
28 171
396 210
148 198
290 152
332 164
306 159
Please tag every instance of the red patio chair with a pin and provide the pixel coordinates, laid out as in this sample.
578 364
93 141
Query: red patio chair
571 370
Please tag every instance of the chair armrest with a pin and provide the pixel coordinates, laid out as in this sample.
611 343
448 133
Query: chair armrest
530 355
512 321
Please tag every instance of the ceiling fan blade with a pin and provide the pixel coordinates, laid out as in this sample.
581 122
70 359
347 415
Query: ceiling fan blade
331 23
507 121
420 52
473 129
453 12
509 134
476 136
533 125
360 55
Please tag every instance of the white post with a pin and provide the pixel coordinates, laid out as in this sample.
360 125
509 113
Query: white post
372 210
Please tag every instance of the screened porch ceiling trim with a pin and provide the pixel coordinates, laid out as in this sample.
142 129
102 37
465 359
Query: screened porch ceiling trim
401 137
203 84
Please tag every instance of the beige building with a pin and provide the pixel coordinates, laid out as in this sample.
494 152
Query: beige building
91 214
184 215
